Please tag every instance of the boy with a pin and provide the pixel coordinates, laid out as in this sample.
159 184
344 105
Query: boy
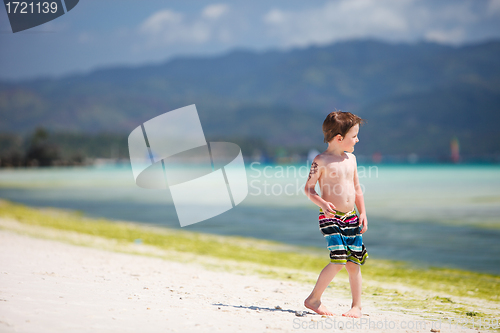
336 171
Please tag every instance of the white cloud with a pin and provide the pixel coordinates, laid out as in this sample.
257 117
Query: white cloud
215 11
493 8
395 20
219 25
275 16
169 27
445 36
159 21
335 20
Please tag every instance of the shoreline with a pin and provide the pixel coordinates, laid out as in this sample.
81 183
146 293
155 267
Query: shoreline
418 231
439 291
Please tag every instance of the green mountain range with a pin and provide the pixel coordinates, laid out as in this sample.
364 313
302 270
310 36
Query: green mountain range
415 97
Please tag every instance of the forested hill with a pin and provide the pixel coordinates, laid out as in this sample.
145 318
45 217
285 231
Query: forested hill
416 97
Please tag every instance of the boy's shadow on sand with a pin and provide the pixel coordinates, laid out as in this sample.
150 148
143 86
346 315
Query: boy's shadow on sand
276 309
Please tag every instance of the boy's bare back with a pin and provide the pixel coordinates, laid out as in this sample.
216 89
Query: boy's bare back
337 177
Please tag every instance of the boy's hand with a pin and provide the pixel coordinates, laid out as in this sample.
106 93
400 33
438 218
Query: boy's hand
329 209
364 222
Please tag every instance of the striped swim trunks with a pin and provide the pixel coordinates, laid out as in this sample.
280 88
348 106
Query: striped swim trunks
342 234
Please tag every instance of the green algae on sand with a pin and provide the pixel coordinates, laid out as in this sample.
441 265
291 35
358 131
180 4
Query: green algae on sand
445 282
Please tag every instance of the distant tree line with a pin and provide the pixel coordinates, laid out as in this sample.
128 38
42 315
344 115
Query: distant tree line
43 148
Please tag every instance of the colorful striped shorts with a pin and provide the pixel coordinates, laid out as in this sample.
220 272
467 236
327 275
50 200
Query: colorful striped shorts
342 234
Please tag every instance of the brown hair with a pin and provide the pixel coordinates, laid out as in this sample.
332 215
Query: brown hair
339 122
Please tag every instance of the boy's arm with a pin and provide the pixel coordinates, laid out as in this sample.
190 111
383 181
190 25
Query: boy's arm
360 200
315 173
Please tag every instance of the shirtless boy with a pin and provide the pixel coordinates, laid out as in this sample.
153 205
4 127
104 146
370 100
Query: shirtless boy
336 171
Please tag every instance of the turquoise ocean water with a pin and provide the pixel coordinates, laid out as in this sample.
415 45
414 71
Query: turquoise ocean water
434 215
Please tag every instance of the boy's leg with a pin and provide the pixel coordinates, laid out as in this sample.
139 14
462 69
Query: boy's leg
326 276
355 280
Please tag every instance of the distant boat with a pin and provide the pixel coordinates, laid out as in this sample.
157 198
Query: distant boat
455 150
377 157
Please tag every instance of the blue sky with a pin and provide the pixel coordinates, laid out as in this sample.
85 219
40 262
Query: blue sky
102 33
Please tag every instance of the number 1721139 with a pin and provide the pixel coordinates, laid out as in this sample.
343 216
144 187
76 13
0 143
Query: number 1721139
15 7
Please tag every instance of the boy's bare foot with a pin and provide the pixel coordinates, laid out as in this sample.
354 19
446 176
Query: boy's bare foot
355 312
317 307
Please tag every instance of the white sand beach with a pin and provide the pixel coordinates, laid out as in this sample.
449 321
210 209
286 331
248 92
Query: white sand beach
52 286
